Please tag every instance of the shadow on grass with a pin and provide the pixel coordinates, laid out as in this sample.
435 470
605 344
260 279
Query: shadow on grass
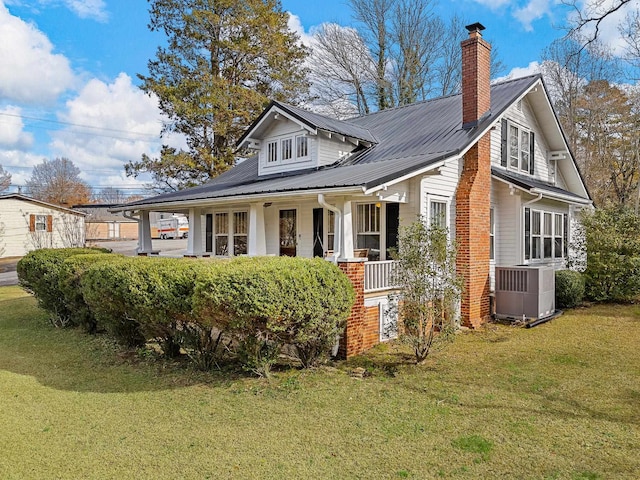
69 359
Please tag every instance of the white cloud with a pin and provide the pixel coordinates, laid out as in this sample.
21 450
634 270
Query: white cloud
493 4
94 9
518 72
12 135
534 10
295 25
19 164
31 73
112 124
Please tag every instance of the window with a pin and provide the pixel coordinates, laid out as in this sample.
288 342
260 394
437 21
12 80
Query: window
222 234
492 235
518 147
368 228
240 231
331 230
302 147
272 152
544 235
287 149
438 213
41 223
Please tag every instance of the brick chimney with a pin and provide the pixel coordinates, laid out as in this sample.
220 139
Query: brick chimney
473 196
476 61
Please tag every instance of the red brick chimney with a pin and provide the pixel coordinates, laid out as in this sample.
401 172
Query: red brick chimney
473 195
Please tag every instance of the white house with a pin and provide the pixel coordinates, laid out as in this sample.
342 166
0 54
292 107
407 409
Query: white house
492 164
27 224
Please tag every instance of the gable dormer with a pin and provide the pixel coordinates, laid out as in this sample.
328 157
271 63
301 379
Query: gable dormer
287 138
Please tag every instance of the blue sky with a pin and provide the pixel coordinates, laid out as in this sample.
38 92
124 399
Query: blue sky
68 84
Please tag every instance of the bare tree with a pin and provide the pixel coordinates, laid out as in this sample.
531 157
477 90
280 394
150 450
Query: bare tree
111 195
589 16
343 71
58 181
5 179
71 229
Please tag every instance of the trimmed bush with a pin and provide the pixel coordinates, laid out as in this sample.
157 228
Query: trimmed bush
69 286
38 273
271 301
569 288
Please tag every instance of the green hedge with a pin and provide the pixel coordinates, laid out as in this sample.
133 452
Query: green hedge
38 273
569 288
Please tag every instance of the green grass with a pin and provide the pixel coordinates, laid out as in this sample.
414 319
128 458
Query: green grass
559 401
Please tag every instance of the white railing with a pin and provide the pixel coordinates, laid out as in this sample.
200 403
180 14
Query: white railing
378 276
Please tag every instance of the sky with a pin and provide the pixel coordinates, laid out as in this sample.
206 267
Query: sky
69 85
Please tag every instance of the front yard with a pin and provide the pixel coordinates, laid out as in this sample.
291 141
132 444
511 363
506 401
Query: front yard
561 400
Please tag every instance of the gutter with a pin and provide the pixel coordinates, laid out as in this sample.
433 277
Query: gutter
338 212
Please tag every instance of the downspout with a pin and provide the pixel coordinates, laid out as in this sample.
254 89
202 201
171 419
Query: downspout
338 234
537 199
130 216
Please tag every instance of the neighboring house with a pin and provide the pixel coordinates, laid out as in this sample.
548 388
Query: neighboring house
101 224
28 224
491 164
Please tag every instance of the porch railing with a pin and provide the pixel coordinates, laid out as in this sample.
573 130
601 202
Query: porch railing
378 276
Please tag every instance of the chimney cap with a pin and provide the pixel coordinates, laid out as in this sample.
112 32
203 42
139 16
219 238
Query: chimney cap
475 27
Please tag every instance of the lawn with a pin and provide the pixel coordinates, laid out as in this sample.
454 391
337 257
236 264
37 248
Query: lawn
561 400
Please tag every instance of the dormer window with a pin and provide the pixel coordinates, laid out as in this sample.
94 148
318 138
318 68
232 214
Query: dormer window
272 152
302 146
287 149
518 148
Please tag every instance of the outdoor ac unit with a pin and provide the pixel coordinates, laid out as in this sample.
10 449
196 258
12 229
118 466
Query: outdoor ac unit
525 292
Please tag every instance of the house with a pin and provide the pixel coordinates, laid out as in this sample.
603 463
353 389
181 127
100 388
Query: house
491 164
28 224
101 224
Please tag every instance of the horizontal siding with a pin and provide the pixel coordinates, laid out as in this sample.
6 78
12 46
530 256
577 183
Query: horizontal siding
442 186
16 240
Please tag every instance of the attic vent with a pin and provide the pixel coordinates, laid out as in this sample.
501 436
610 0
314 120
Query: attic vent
519 105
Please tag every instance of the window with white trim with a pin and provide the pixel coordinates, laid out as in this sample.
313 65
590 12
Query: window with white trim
518 148
272 152
302 147
545 235
287 149
41 223
240 230
492 235
438 213
331 230
221 235
368 228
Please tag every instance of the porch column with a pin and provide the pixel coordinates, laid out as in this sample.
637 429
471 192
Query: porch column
144 234
194 241
257 244
346 230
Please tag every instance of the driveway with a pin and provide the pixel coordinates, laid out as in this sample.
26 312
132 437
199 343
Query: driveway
170 248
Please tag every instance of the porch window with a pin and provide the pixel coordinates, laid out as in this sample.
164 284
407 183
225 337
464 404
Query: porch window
240 233
368 228
222 234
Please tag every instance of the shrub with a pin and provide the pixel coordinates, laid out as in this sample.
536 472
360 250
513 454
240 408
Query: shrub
70 289
268 302
612 244
569 288
38 273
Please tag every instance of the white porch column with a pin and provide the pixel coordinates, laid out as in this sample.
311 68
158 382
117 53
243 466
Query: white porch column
144 233
194 241
346 230
257 244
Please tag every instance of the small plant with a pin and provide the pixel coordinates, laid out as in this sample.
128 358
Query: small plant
426 273
569 288
474 444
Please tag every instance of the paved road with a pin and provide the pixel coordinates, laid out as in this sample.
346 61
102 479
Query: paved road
173 248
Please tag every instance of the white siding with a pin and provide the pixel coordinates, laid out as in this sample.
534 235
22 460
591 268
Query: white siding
278 131
332 149
16 239
441 186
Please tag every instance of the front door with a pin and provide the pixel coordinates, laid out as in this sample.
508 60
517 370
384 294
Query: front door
288 233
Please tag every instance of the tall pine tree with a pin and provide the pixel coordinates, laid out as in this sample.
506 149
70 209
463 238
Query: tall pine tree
223 61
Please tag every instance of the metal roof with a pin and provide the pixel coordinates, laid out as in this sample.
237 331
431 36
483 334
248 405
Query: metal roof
530 184
409 138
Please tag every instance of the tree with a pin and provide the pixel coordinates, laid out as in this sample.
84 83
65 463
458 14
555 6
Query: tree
425 272
5 179
112 195
58 181
224 60
589 16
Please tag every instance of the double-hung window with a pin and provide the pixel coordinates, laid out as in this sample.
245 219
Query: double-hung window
41 223
438 213
331 230
545 235
287 149
368 228
221 234
518 148
240 233
272 152
492 235
302 147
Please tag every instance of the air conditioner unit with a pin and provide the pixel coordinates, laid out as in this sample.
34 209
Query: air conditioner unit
525 292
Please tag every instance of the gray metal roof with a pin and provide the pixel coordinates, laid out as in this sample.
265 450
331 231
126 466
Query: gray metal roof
529 183
408 138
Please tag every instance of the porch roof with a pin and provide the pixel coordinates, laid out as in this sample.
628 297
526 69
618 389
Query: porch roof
535 186
409 139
